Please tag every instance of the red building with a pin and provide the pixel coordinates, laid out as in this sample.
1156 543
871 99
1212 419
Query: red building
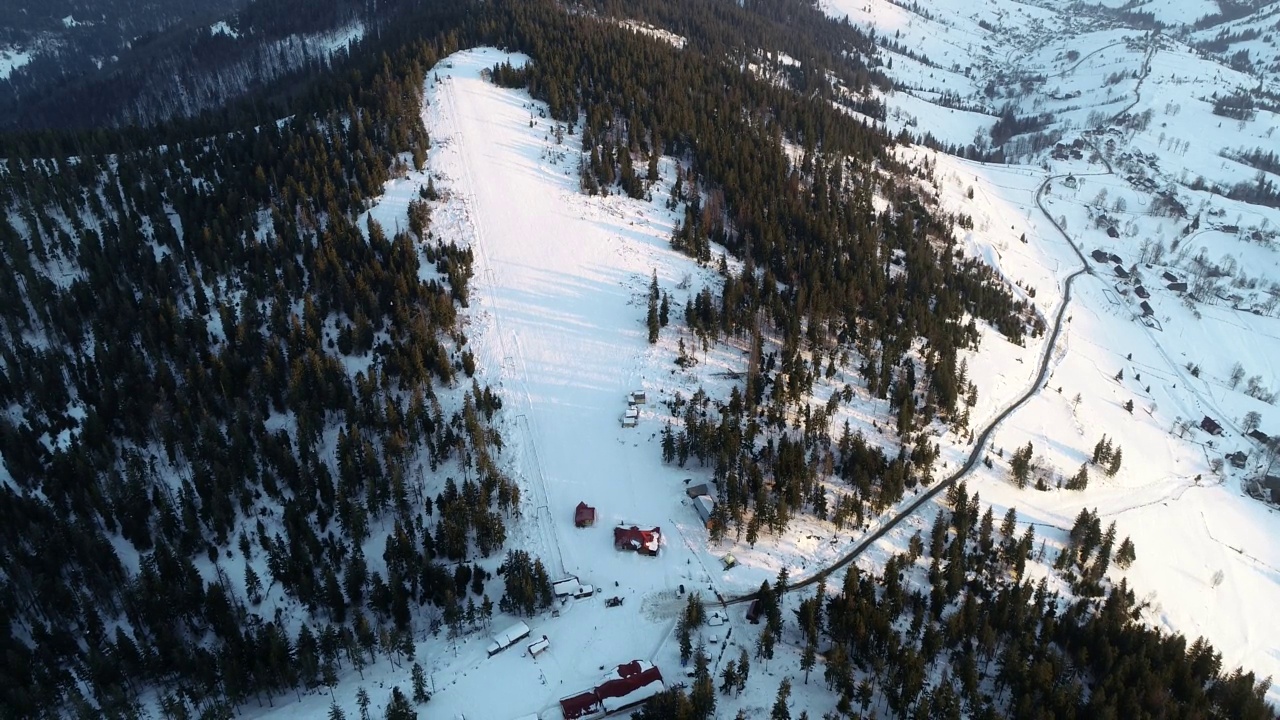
645 542
584 515
627 686
575 706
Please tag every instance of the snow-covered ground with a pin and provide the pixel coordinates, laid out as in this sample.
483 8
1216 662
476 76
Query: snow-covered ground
222 28
1187 522
12 58
1084 66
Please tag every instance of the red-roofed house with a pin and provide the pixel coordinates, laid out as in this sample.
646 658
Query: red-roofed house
575 706
630 689
645 542
630 684
584 515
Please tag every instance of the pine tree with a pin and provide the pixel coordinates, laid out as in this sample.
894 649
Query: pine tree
1020 465
653 321
398 707
1010 523
420 694
335 712
780 709
703 694
1125 554
362 700
252 584
808 658
729 677
1102 451
1114 466
1080 480
764 647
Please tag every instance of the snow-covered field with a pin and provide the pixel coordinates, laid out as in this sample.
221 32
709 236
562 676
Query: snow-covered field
1187 521
12 58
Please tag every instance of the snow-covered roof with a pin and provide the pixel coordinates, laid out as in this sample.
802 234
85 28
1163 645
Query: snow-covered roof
508 636
705 505
568 586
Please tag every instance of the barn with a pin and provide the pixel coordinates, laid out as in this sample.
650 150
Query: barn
584 515
645 542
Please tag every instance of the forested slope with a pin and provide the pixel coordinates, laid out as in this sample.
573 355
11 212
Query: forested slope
207 365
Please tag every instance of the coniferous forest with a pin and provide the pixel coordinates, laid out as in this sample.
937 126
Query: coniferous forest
210 364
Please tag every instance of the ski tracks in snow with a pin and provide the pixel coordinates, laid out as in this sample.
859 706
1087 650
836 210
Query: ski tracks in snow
513 377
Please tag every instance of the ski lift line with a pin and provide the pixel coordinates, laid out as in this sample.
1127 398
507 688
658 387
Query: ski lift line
545 524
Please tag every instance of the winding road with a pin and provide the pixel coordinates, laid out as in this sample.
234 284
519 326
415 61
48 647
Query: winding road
980 443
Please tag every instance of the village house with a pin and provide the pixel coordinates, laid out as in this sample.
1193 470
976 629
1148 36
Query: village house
628 685
644 542
584 515
1210 426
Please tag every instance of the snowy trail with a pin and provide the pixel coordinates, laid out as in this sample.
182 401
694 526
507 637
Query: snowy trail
558 316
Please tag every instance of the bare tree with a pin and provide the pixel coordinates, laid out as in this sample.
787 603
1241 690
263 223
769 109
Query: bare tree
1252 420
1237 374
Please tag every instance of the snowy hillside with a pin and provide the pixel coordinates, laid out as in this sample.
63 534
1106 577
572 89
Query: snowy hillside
1158 166
555 324
595 377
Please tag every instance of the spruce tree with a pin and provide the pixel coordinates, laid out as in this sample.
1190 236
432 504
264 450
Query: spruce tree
1114 466
780 710
653 321
398 707
420 694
